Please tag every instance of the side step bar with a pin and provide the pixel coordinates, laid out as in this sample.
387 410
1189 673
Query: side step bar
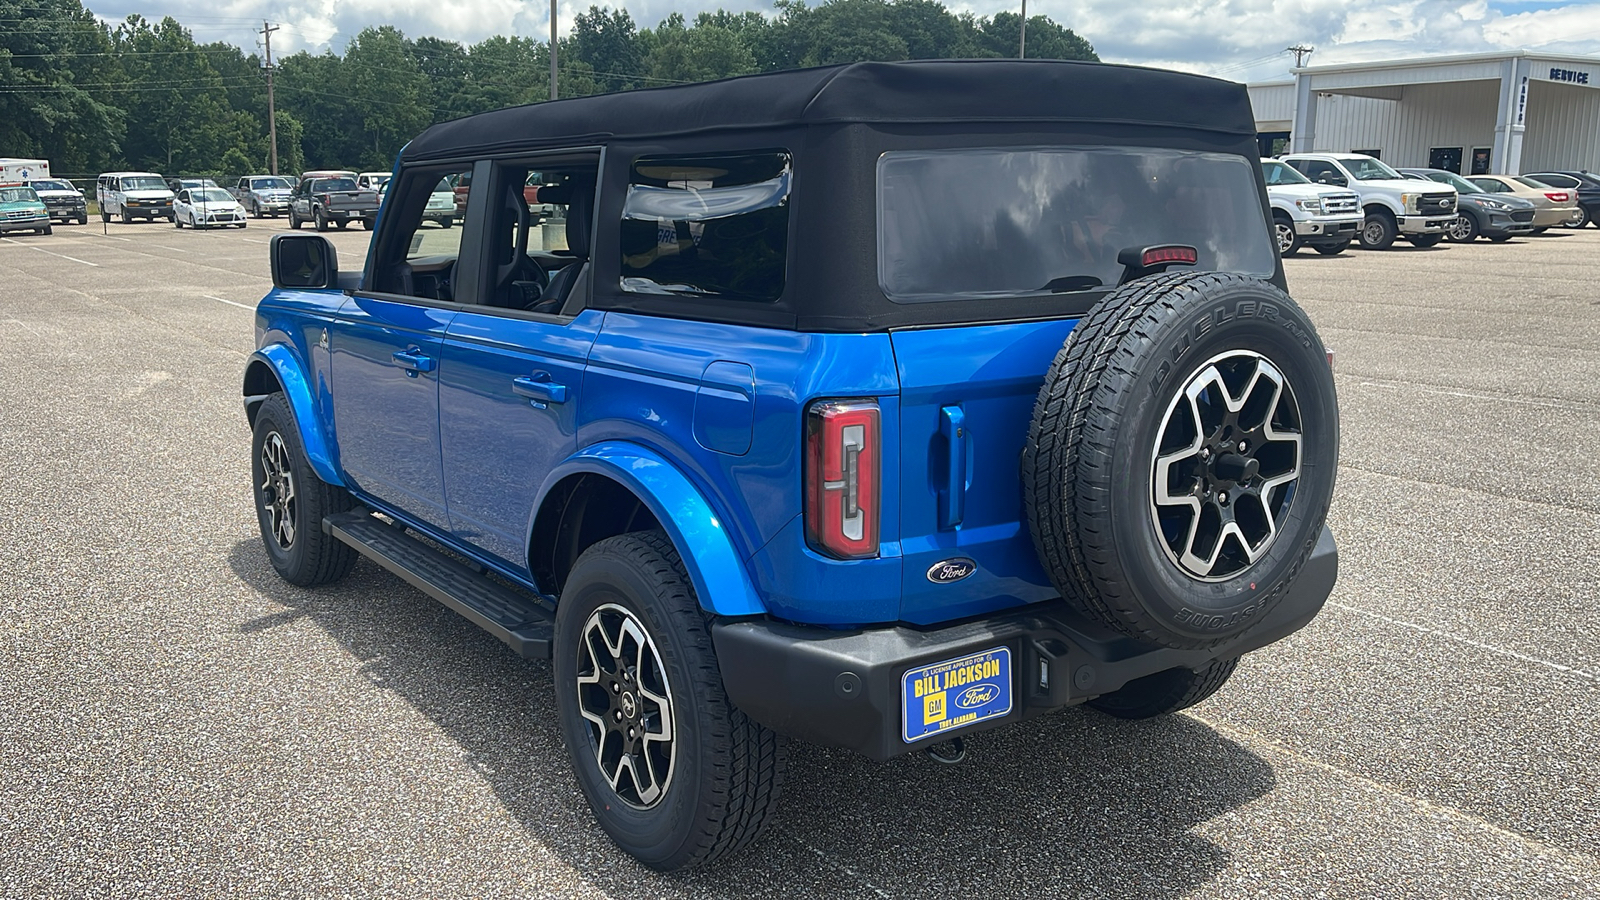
513 616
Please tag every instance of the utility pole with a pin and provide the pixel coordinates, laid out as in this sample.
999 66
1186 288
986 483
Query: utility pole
552 49
1300 52
272 112
1024 53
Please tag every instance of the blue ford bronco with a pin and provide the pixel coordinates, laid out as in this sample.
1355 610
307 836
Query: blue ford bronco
868 406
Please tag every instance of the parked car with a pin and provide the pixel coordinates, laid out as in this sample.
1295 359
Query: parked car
65 202
335 200
441 209
264 195
178 184
1304 214
1584 185
1391 204
1552 206
744 476
372 181
22 210
1481 213
133 195
207 207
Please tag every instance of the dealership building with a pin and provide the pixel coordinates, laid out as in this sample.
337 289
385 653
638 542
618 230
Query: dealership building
1489 113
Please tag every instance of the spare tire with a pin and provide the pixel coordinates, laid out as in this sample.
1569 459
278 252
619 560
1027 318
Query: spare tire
1181 457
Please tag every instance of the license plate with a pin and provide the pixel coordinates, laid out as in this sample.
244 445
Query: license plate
954 694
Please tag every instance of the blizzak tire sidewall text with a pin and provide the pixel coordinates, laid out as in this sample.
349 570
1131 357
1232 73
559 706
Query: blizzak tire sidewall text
1090 484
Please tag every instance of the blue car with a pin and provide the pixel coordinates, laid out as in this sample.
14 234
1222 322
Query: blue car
867 406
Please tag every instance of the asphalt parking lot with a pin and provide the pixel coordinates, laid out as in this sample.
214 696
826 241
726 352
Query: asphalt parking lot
176 722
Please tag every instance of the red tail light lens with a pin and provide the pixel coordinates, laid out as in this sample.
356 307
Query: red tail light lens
843 496
1172 253
1557 196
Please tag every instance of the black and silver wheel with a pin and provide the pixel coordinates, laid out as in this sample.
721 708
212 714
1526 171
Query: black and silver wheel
1214 393
1464 230
672 771
294 220
1225 465
291 502
1378 232
1578 220
320 220
1283 231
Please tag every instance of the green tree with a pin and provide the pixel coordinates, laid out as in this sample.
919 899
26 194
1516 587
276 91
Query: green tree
703 53
56 78
178 117
1002 36
608 43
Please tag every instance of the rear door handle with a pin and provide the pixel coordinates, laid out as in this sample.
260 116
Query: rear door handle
546 390
414 361
953 499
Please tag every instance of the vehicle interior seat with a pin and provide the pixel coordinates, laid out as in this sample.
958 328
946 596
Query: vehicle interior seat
579 200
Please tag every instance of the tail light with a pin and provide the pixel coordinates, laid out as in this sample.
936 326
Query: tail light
325 198
1557 196
843 496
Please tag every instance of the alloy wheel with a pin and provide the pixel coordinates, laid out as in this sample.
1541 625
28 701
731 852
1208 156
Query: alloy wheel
277 490
1225 465
624 698
1285 235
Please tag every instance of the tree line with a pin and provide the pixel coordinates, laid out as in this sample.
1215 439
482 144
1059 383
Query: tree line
91 96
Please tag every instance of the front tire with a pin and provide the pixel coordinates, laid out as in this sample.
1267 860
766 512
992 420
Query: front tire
1165 692
674 773
1424 240
1333 249
1378 232
291 502
1464 230
1283 231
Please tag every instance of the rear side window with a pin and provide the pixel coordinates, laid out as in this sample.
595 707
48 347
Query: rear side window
972 224
708 226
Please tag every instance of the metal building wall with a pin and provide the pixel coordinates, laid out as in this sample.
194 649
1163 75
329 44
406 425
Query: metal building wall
1459 114
1563 127
1273 105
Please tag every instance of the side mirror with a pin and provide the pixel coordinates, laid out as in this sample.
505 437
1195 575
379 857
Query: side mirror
303 261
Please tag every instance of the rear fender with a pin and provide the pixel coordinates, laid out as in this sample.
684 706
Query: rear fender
714 566
285 366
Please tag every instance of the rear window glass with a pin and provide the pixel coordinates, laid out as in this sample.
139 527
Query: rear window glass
334 184
967 224
710 226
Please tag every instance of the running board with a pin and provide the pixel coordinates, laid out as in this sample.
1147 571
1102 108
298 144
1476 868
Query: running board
513 616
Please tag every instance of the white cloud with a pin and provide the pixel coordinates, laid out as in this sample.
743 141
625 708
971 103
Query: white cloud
1238 39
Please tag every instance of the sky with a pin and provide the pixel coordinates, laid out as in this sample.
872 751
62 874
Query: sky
1241 40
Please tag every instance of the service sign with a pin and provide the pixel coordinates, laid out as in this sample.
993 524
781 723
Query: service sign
955 693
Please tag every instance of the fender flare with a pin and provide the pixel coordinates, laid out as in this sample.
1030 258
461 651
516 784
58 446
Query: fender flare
720 579
287 367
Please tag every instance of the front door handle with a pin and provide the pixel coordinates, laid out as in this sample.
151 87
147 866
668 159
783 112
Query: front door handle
545 390
414 361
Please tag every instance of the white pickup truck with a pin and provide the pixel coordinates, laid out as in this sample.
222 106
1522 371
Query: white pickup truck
1392 205
1309 215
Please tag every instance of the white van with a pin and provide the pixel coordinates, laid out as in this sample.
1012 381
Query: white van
133 195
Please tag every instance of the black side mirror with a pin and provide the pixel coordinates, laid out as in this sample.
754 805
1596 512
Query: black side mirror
303 261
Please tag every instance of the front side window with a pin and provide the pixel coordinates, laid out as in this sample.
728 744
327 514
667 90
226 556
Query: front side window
710 226
970 224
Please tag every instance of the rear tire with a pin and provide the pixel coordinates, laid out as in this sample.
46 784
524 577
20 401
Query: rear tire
700 780
1579 219
291 502
320 219
1165 692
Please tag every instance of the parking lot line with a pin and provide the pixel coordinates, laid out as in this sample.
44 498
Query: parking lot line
1479 645
229 302
52 253
252 241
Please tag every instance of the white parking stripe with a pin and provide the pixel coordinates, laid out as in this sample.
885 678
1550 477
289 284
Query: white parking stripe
52 253
1434 632
229 302
254 241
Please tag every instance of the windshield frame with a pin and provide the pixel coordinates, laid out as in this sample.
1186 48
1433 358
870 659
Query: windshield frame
22 193
264 183
198 195
142 183
1384 172
51 184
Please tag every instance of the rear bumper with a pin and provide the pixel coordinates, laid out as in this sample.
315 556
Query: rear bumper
843 688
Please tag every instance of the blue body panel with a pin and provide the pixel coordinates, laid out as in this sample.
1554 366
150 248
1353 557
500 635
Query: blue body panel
700 535
984 377
289 327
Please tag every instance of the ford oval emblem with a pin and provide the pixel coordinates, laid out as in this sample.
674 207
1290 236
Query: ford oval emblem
950 570
977 695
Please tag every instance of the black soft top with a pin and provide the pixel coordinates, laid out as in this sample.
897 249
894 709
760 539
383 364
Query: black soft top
922 92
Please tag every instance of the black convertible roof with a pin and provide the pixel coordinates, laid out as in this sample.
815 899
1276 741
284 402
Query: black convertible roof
926 92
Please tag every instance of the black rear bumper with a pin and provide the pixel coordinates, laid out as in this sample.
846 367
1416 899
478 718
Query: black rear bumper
843 688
